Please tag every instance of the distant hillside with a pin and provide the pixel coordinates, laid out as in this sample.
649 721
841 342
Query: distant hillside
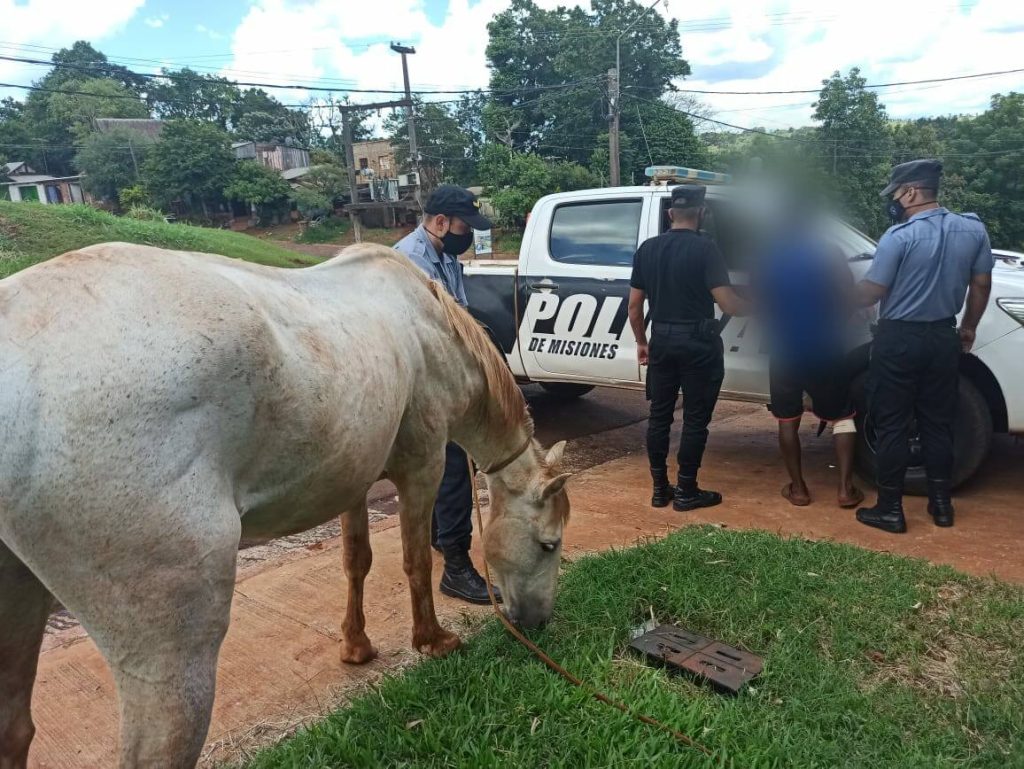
32 232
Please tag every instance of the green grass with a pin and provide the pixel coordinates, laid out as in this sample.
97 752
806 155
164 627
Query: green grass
871 661
328 231
32 232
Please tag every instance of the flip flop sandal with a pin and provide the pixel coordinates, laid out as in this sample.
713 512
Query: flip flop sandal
787 492
849 502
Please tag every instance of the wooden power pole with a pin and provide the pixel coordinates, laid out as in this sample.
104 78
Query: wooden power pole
613 129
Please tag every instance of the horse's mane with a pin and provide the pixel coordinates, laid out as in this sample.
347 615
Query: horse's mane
511 406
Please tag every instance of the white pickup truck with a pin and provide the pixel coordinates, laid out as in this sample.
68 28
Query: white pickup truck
559 313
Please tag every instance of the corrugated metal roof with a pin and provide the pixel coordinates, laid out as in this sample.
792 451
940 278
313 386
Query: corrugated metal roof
147 126
294 173
39 178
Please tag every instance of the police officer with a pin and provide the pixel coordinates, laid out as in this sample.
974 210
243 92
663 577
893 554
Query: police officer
681 274
450 216
924 266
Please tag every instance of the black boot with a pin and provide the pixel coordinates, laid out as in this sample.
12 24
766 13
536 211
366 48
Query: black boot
461 580
663 491
887 514
689 496
940 505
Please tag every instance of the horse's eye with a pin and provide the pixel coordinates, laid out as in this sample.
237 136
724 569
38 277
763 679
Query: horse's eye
550 547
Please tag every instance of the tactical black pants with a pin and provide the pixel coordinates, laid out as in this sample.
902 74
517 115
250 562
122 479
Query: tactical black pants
680 359
452 521
914 373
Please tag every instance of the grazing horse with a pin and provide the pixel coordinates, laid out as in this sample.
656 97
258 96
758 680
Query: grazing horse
160 408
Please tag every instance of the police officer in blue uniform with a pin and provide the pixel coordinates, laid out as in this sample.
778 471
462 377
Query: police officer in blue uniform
450 216
681 275
924 267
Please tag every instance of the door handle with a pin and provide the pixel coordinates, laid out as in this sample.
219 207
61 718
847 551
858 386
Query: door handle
544 285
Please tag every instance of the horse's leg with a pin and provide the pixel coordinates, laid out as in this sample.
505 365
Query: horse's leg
160 624
417 491
355 529
24 607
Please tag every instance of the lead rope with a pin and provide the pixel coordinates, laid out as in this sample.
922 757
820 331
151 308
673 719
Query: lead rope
539 653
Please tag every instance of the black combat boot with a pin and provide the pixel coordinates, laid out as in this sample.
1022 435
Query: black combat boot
663 491
689 496
940 505
887 514
461 579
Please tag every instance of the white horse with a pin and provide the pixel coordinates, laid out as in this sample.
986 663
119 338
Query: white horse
159 408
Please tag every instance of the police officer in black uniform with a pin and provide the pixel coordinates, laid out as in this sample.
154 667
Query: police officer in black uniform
681 274
924 267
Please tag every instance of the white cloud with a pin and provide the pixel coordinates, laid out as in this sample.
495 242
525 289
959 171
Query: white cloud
754 46
157 21
55 24
213 34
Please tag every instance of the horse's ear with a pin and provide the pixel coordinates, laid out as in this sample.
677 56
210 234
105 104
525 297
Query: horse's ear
554 486
554 457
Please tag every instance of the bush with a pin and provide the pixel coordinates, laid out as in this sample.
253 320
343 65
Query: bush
326 231
145 213
135 195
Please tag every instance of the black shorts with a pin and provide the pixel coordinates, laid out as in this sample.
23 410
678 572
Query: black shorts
828 385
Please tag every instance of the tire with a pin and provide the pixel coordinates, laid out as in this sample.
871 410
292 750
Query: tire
566 391
972 438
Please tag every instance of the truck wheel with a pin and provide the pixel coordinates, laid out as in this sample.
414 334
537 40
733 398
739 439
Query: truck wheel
566 391
972 438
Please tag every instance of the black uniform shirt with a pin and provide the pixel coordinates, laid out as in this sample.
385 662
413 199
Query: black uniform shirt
677 271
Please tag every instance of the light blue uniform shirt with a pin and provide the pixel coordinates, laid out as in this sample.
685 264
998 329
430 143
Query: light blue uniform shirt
927 262
443 268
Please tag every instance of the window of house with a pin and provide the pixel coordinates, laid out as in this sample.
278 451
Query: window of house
364 163
601 232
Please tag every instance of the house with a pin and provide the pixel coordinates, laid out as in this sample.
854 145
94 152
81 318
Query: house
147 127
280 157
19 182
375 155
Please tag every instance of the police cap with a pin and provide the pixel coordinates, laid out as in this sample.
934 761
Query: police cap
688 195
918 173
452 200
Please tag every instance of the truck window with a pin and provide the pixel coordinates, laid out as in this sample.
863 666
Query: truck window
602 232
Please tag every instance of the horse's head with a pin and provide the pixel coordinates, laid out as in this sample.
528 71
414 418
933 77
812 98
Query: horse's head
523 543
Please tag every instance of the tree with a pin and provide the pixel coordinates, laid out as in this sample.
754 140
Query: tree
517 181
855 144
190 163
191 95
93 98
446 149
112 161
256 185
326 124
549 72
83 62
320 188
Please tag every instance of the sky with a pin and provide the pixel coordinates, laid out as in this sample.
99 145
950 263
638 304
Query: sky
748 45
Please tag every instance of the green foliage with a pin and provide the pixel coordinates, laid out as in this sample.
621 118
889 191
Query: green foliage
320 189
871 662
516 181
330 230
310 202
190 95
107 162
449 138
93 98
191 163
145 213
31 233
132 196
255 184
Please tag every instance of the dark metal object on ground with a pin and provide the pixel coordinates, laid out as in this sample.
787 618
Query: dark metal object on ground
725 667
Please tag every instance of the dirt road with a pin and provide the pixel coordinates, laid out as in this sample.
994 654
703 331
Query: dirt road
279 664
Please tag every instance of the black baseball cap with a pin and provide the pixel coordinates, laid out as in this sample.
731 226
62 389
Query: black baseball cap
919 173
452 200
688 195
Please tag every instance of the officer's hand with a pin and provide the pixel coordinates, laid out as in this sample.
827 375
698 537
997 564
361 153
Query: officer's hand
966 338
641 354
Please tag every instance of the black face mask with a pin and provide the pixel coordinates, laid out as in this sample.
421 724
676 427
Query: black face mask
457 245
895 211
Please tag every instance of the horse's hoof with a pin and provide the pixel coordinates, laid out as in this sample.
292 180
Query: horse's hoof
440 646
357 653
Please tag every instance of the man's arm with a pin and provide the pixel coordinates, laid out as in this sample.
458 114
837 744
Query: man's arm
868 293
731 303
882 273
637 297
977 300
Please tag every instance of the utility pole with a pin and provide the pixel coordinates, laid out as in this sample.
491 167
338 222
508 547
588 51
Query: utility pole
414 155
615 93
135 163
613 131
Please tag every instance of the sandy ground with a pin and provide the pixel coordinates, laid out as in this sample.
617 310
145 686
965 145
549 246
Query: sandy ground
279 664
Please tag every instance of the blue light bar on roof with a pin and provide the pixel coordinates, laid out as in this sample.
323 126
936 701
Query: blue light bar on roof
681 174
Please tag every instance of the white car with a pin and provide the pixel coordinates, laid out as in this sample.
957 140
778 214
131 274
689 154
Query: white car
558 313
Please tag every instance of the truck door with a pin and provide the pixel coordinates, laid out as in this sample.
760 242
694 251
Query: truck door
575 323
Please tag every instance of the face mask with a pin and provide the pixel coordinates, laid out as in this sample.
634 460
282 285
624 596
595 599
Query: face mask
457 244
894 210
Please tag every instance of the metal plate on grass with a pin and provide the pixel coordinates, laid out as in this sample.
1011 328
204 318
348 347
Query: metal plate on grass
724 667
